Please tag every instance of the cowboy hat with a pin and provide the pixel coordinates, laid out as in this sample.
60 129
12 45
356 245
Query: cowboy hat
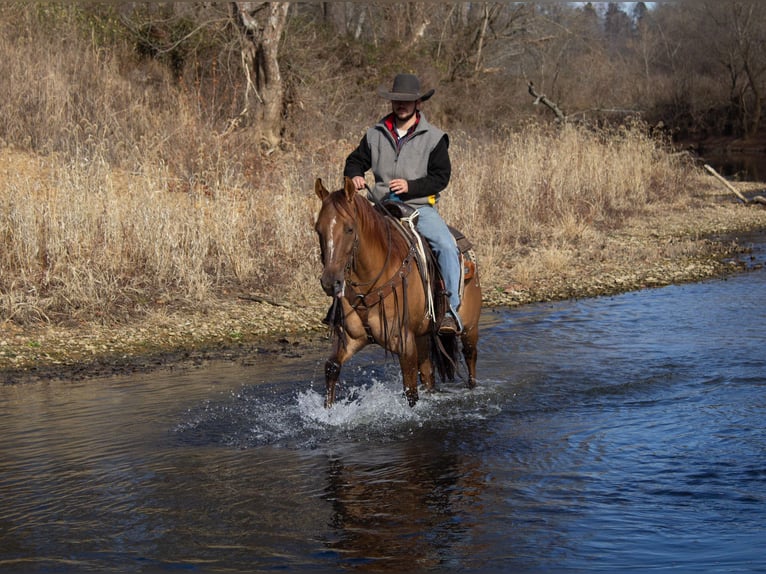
406 88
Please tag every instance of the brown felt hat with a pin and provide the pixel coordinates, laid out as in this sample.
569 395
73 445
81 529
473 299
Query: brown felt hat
406 88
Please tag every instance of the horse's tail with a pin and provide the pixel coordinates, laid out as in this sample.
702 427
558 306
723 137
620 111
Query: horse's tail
445 355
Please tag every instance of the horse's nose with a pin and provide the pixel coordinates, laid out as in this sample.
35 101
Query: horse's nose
331 284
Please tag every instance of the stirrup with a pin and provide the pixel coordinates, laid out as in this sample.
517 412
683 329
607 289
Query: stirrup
450 324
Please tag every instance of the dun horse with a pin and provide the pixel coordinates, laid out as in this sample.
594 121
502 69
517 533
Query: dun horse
371 272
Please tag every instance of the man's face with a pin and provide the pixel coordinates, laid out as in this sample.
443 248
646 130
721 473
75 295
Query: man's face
403 110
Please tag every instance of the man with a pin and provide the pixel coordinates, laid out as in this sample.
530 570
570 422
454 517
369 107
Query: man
410 161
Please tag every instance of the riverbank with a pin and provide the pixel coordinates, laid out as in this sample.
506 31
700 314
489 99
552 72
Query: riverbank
668 245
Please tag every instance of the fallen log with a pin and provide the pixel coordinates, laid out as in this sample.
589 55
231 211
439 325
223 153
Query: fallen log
757 199
260 299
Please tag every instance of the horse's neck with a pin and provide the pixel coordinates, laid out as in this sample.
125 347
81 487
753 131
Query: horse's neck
375 252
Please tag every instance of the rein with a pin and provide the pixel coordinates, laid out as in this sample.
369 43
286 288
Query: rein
374 296
364 303
370 299
364 296
350 262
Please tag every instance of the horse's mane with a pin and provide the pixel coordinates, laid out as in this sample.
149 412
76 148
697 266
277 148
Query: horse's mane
374 222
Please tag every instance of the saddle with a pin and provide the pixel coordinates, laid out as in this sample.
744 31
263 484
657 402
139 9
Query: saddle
468 255
406 219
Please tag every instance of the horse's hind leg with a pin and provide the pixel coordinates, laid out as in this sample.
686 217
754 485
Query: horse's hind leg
470 340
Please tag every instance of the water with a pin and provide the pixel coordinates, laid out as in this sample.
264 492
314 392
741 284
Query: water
742 166
614 434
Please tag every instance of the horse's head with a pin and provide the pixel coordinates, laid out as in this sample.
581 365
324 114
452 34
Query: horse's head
336 227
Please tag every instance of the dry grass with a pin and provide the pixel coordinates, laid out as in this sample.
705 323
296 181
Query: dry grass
93 242
89 242
557 191
121 192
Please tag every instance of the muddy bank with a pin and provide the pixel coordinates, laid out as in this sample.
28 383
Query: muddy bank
666 246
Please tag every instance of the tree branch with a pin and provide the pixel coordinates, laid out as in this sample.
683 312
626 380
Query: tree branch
542 99
757 199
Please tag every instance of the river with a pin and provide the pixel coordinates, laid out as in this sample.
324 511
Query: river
615 434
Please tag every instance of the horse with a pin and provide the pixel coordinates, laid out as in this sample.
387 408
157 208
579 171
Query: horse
370 269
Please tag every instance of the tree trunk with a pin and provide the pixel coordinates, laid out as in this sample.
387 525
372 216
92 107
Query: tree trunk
753 123
261 25
482 35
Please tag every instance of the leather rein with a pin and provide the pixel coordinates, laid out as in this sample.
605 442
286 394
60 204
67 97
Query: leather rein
364 301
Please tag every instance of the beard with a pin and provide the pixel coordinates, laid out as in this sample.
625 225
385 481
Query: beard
403 116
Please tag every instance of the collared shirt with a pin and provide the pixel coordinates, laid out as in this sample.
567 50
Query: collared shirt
390 122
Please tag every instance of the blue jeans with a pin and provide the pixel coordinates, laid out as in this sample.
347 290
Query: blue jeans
431 226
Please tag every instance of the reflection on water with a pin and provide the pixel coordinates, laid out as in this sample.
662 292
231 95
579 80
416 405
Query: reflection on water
401 509
740 166
613 434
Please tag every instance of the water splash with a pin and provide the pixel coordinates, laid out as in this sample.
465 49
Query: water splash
363 406
375 411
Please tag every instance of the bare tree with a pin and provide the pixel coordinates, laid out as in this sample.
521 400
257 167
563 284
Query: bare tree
733 60
346 17
748 39
479 35
261 25
167 32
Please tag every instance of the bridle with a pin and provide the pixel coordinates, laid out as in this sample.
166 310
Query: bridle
373 296
364 296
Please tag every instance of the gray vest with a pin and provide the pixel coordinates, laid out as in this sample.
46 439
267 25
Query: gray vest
410 163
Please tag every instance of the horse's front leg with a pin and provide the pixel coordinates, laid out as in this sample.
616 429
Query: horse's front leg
408 361
331 374
332 367
425 366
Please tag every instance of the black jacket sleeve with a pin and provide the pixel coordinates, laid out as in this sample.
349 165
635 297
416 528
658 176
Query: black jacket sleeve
359 160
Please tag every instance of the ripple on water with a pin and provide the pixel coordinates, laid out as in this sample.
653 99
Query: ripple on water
376 411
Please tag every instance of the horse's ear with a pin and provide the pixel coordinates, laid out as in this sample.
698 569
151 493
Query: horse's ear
350 189
320 190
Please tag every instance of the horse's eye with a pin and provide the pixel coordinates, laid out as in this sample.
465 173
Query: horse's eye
348 230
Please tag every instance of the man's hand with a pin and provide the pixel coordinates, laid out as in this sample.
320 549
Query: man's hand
359 182
398 186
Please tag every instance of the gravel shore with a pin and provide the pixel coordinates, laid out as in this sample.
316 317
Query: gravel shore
667 246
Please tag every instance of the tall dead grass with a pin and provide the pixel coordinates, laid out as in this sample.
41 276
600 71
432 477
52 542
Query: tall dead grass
557 189
90 241
120 193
